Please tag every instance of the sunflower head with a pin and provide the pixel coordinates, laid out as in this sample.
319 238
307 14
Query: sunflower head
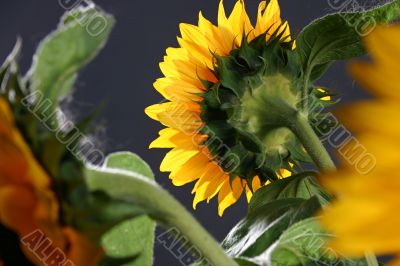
231 89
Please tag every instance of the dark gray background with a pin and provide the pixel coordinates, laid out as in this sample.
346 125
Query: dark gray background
124 72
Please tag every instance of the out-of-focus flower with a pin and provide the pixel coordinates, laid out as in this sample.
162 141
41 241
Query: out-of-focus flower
27 202
364 216
203 126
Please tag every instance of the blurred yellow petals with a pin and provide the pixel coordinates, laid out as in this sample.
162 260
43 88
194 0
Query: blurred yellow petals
364 216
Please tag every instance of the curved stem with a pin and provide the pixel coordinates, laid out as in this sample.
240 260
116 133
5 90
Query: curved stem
304 92
160 205
179 218
306 134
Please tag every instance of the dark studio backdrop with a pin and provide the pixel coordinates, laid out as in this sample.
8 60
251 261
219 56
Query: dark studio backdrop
124 71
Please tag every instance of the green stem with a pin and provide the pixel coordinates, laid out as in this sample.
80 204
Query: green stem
304 92
307 136
177 216
160 205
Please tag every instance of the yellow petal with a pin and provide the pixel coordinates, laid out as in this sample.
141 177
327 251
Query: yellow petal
214 36
389 38
240 22
381 81
367 116
183 116
193 34
193 169
165 139
269 18
176 158
162 85
209 184
229 195
187 71
225 27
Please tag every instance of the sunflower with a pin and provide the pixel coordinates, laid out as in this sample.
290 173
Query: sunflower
364 215
206 85
27 202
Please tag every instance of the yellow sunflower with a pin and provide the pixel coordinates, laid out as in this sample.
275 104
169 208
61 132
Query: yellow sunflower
364 216
189 72
27 203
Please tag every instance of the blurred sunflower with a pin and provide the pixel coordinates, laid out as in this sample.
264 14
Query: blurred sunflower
364 215
27 202
206 82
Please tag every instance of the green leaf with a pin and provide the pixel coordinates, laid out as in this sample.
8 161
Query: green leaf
303 186
304 244
339 37
245 262
66 50
283 232
130 162
264 225
135 236
139 191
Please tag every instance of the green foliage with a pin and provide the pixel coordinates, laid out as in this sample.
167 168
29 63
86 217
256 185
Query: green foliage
283 232
338 37
114 223
304 244
65 51
135 236
302 186
264 225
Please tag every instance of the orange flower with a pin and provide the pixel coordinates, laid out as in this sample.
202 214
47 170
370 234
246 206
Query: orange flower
29 206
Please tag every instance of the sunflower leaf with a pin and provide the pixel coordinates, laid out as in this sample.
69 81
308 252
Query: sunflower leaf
134 236
259 230
66 50
339 37
303 186
283 232
303 244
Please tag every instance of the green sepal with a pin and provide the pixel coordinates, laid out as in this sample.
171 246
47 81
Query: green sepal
241 73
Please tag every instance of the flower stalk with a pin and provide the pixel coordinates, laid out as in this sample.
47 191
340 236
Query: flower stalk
307 136
159 205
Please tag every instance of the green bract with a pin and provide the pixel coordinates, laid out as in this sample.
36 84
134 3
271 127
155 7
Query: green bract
265 94
252 108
